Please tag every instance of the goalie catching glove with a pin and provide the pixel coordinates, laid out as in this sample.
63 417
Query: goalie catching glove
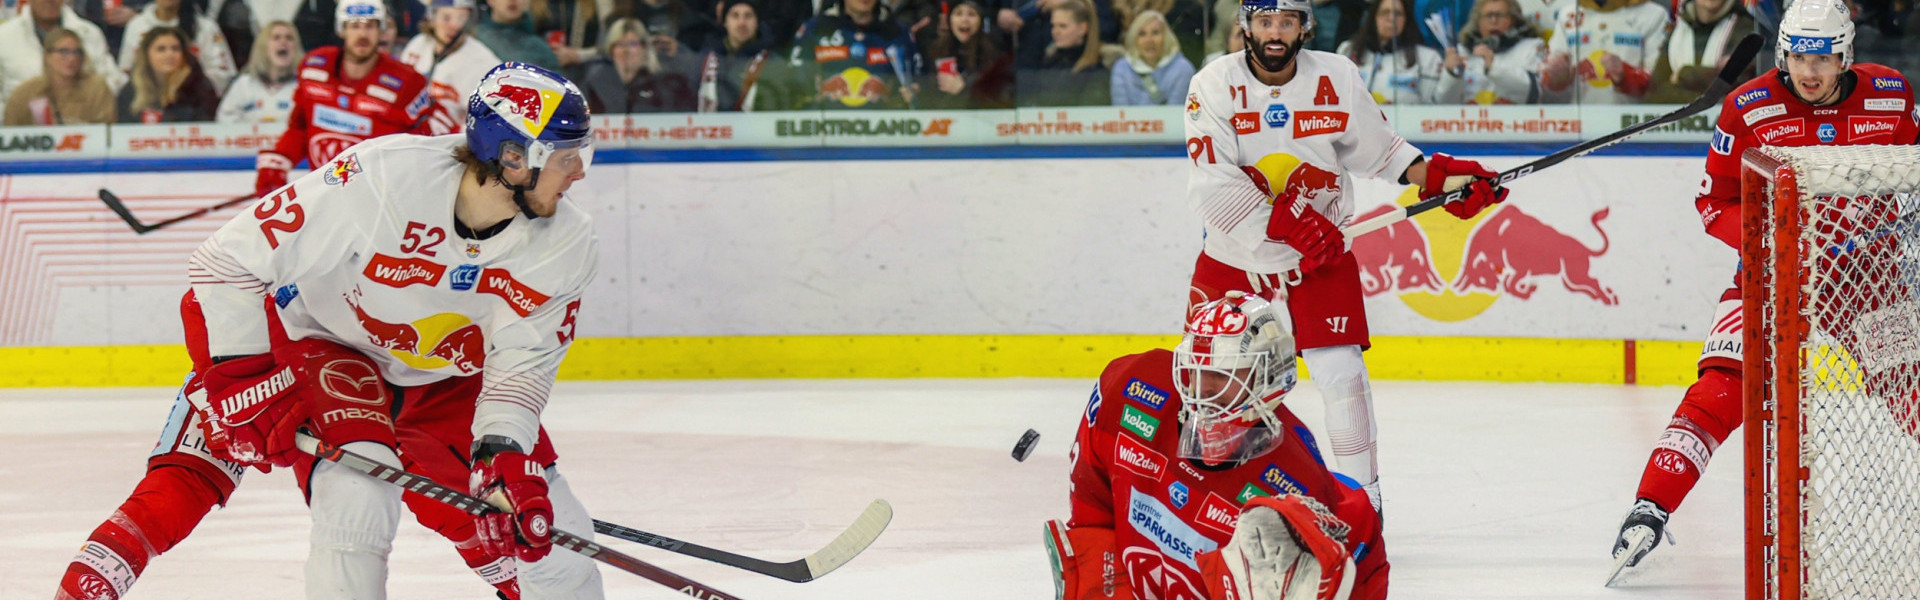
508 479
1286 548
1481 192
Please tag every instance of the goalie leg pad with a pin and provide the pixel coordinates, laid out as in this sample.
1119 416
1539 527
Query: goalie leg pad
1341 376
1286 548
1086 565
354 520
562 573
1710 412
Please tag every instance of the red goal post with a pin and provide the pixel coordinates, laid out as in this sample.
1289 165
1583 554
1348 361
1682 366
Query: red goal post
1831 286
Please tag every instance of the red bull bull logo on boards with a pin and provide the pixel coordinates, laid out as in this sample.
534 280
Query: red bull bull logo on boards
1451 270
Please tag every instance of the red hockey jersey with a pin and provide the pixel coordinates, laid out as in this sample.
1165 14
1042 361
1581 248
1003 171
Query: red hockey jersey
332 113
1164 510
1764 112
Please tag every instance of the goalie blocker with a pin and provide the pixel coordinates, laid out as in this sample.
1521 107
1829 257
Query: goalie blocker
1191 480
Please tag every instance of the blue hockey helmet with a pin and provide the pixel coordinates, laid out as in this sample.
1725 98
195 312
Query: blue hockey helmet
530 110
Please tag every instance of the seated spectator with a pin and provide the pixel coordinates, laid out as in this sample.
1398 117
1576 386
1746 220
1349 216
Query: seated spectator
448 55
854 55
629 80
1151 72
1185 21
1696 50
663 17
1031 43
208 44
264 92
167 85
110 16
572 29
967 69
1396 67
1075 70
732 63
1503 64
1604 53
508 31
21 48
67 92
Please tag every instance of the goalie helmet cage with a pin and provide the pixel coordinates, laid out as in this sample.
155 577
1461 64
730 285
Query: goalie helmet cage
1831 284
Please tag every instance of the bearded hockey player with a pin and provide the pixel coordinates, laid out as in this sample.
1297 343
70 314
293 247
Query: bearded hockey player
1276 134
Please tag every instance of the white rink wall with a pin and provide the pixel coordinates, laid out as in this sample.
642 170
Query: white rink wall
959 246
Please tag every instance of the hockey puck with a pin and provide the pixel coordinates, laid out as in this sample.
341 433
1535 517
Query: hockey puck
1025 445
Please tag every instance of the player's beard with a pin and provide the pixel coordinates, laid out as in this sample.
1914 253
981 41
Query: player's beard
1257 53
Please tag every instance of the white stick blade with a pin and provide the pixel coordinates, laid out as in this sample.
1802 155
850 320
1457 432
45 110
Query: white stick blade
851 542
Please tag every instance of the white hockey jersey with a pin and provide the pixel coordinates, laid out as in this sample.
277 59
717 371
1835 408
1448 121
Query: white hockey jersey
1249 141
454 76
1395 81
362 251
250 101
1636 33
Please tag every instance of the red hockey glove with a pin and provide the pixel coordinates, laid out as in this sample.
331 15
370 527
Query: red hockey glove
272 168
1480 193
516 485
1721 218
1296 223
1285 548
248 400
1086 565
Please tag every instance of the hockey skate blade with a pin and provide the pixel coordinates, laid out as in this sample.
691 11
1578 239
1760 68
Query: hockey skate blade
851 542
1639 542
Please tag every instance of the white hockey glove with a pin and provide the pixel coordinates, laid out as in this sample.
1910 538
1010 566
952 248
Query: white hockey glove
1285 548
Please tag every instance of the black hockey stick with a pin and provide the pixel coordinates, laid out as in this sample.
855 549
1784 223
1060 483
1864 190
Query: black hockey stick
475 506
120 208
1716 92
856 538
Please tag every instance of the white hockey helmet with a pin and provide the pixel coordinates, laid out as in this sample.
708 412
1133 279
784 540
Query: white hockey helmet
1233 367
1816 27
1249 8
353 10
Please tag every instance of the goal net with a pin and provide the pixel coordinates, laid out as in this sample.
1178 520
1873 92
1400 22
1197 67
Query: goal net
1831 282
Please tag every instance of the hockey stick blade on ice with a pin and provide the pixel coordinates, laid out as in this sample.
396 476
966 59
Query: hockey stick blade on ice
475 506
856 538
1728 78
120 208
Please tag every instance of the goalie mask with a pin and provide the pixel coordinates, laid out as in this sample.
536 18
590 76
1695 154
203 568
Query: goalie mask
1233 368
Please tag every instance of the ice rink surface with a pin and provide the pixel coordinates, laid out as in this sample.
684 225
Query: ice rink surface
1492 490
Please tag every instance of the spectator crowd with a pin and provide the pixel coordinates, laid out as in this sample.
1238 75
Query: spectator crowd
238 61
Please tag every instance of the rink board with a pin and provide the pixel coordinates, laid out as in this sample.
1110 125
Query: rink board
981 266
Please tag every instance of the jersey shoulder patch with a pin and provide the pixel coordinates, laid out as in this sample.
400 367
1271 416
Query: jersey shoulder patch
1136 397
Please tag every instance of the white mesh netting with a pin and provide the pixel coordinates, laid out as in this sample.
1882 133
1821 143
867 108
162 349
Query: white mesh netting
1860 369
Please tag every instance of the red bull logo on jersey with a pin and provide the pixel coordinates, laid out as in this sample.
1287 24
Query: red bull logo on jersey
340 171
436 342
1450 270
854 87
1305 181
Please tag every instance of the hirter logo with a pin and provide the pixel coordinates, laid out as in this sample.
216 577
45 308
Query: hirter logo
1890 84
521 298
403 272
1139 458
1743 100
1782 130
1866 127
1218 514
1246 123
1314 122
